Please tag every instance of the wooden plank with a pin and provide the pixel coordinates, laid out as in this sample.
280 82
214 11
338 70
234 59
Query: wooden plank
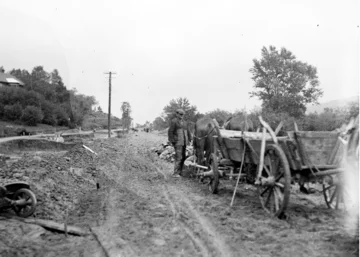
238 134
267 126
277 130
262 152
288 154
317 134
325 166
296 126
52 225
327 172
317 146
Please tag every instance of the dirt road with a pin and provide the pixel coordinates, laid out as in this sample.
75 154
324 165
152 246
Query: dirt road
139 210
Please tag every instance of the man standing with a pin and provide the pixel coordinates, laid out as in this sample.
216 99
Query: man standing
179 136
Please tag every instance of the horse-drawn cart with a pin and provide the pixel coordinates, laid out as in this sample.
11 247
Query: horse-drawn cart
273 162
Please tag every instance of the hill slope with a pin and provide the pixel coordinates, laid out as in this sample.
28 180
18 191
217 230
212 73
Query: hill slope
331 104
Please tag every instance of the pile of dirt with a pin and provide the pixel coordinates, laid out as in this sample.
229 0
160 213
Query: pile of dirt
20 145
56 178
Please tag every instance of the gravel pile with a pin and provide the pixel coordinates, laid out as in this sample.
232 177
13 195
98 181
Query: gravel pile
167 152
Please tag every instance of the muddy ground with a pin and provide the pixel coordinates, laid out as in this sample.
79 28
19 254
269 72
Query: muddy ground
139 210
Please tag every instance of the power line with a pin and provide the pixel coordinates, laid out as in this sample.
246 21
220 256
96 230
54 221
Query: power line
109 114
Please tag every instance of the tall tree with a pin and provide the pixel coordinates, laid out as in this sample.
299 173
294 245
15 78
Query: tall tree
220 115
80 105
62 95
283 83
159 123
24 76
191 113
126 115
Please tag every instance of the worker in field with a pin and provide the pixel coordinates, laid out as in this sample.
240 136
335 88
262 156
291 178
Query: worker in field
179 136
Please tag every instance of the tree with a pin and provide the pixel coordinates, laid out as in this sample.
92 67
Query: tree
220 115
62 94
32 115
353 110
23 75
126 115
13 112
191 113
283 83
80 105
159 123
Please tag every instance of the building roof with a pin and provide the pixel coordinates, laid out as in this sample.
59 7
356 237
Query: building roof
10 79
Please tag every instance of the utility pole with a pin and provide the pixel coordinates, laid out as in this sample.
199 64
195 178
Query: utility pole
109 113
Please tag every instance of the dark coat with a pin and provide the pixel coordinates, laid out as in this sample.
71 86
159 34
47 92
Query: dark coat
179 132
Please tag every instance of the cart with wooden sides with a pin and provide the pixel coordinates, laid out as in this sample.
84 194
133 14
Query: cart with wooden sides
273 162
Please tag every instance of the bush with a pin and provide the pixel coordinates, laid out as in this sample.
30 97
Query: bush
274 118
13 112
32 115
47 109
62 117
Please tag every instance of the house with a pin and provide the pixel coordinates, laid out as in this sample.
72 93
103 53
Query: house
9 80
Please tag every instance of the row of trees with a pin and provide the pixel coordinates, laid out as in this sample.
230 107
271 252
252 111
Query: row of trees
285 86
328 120
44 99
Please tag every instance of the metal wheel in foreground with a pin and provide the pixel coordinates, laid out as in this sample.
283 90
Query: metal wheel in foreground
26 200
274 188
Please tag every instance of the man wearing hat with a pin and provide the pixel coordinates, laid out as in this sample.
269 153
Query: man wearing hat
179 136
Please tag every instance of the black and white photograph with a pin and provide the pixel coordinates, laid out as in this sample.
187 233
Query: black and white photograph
179 128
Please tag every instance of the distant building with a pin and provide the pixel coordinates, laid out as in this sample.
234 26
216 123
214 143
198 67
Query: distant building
9 80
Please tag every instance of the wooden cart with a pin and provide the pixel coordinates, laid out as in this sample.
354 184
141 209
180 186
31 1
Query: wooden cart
274 161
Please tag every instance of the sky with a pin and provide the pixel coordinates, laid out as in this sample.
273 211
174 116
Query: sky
163 49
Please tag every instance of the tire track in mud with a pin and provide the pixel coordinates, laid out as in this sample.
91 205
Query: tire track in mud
197 241
104 234
208 242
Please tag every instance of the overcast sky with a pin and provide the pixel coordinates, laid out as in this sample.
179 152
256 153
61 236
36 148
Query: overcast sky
164 49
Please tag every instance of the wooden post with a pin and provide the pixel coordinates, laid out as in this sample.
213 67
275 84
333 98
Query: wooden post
109 114
296 127
265 125
281 124
261 157
238 179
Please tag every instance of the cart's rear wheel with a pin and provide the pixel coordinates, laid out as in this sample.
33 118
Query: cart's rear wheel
30 206
214 182
335 194
274 188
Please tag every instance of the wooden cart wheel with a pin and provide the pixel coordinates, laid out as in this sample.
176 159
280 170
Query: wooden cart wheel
274 188
30 206
214 182
335 193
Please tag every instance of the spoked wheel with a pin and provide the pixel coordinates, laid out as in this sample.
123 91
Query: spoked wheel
214 181
274 186
335 194
27 200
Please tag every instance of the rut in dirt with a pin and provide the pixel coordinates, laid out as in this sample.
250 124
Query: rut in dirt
199 229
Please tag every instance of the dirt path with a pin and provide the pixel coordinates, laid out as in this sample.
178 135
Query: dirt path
139 210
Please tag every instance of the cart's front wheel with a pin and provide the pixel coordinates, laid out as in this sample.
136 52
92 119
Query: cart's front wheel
28 206
214 182
274 187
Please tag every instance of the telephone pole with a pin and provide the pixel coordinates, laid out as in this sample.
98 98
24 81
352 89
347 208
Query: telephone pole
109 113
